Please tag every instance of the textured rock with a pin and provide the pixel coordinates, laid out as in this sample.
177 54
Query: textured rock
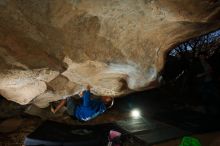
53 47
24 85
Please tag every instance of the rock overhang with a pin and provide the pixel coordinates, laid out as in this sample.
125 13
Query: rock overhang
51 49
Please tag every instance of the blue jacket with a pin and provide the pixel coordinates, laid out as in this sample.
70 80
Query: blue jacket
89 109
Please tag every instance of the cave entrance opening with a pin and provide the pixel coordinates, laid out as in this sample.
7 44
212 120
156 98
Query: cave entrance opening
192 72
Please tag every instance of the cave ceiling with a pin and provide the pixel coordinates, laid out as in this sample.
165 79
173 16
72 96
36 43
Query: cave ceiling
53 48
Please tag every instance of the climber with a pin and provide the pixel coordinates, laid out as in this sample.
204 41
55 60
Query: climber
88 109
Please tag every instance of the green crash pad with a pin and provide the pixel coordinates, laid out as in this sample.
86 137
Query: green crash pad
190 141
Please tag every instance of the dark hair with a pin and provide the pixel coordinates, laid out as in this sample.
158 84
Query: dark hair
109 103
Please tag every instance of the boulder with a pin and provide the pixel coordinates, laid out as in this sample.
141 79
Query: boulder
54 48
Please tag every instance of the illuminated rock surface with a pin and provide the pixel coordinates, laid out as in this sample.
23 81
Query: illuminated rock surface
50 49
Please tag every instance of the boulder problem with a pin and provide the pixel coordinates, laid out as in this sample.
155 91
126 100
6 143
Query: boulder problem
53 48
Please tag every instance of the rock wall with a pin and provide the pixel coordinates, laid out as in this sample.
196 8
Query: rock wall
52 48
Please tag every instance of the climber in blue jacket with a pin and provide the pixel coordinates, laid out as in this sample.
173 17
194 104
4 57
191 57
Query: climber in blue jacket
88 109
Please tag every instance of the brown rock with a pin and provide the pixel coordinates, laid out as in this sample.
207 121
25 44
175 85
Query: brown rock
116 46
10 125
